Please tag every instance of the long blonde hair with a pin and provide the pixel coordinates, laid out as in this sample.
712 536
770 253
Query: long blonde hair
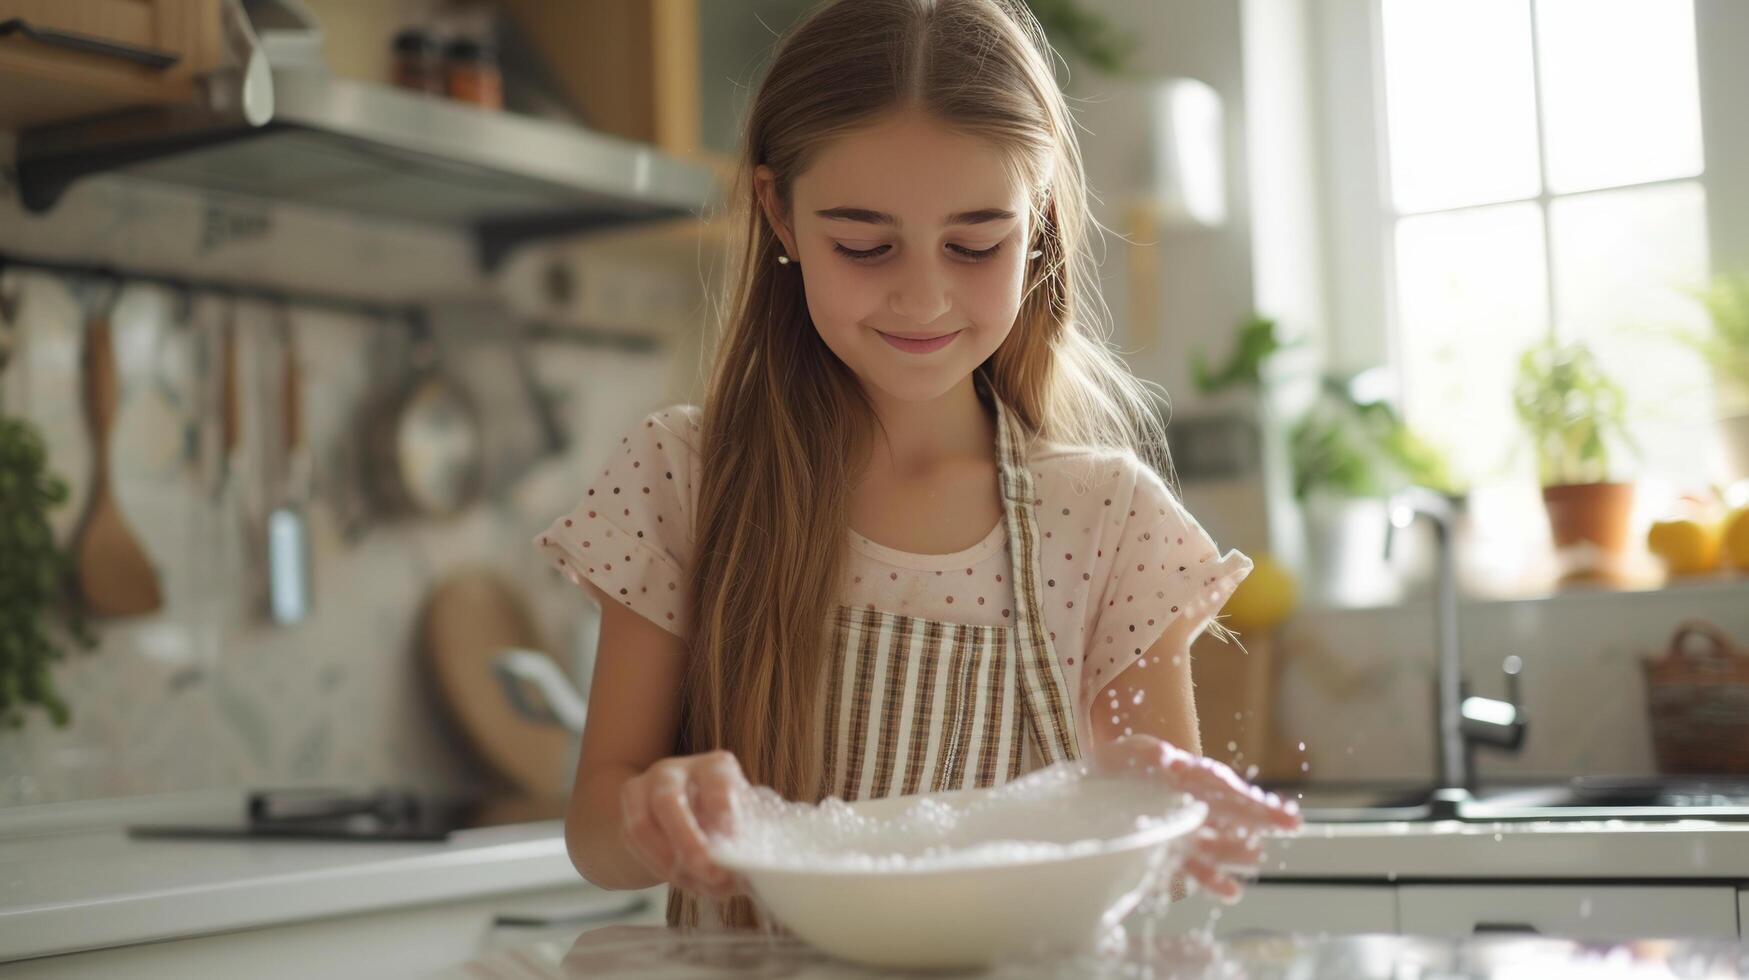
786 423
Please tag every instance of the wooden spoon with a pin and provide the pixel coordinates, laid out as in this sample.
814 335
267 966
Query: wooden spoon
115 576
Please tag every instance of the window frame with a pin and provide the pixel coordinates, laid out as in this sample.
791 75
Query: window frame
1363 328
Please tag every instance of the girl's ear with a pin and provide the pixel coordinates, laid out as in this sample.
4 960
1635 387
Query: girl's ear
765 188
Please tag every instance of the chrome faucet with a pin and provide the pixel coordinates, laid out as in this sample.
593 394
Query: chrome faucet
1462 722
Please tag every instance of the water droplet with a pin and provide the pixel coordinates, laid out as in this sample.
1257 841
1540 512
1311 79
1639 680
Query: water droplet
1302 746
1137 699
1305 767
1232 746
1498 837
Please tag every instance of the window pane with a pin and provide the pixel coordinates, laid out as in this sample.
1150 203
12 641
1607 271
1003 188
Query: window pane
1460 102
1621 103
1621 259
1471 294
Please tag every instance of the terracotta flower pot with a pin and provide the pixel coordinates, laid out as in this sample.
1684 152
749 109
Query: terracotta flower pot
1590 512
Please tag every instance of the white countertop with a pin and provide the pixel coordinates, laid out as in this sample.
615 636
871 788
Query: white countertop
622 952
90 887
68 885
1688 850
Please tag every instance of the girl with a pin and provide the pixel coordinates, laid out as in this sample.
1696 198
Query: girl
915 540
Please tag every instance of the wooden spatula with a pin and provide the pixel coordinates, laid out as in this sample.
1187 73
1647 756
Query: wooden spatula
115 576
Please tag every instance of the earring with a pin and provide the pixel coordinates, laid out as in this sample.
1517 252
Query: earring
1035 253
783 260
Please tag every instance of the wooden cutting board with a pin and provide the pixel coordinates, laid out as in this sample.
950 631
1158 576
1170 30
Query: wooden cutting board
468 618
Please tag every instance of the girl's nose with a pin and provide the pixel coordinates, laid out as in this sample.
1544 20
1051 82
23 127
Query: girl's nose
922 297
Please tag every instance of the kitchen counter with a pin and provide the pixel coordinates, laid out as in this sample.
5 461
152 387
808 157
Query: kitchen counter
92 886
69 885
1685 850
635 952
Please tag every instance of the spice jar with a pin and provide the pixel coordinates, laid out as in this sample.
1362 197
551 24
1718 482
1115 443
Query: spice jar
418 62
471 69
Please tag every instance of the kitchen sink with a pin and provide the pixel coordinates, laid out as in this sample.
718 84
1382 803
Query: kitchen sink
1586 798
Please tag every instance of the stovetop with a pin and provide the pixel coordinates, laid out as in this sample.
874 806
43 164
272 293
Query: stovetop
381 814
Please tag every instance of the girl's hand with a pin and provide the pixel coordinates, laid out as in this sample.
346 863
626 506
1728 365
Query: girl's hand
1230 841
670 808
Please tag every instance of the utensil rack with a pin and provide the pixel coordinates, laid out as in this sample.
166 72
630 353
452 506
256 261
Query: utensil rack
535 331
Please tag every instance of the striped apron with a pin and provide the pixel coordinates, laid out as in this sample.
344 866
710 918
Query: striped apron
916 705
921 706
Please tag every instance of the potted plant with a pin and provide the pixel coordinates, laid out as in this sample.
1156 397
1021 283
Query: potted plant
36 577
1575 416
1725 346
35 580
1349 457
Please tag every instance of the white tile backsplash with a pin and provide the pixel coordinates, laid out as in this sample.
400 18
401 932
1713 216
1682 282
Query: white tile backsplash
204 694
1357 685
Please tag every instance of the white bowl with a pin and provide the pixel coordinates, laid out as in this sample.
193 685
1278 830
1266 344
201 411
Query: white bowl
962 880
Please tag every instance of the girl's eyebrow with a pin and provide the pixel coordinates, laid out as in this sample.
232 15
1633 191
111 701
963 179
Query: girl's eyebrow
868 217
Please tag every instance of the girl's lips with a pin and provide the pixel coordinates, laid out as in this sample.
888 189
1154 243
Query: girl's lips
918 345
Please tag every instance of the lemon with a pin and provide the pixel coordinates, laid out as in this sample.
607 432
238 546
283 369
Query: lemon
1263 599
1736 539
1688 547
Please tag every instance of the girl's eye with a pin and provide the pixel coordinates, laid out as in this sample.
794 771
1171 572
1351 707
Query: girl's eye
977 254
865 254
861 254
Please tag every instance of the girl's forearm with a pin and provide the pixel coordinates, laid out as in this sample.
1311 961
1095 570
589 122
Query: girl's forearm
593 836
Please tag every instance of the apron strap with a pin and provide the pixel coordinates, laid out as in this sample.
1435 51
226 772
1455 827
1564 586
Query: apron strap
1044 692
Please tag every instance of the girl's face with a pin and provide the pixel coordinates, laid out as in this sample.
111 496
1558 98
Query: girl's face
912 243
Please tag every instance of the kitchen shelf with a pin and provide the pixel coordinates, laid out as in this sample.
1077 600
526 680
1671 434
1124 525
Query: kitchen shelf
371 149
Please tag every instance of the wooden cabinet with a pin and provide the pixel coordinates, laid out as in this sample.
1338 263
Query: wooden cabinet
628 67
42 81
1601 913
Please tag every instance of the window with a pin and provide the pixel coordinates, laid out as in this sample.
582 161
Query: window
1541 172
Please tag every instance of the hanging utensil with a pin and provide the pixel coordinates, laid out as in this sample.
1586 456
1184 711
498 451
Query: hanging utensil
289 591
115 576
222 549
427 445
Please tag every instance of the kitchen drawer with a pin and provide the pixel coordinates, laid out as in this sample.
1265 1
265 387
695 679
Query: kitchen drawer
1287 907
410 942
1587 912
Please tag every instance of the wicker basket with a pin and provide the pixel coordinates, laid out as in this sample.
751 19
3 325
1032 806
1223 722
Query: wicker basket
1698 697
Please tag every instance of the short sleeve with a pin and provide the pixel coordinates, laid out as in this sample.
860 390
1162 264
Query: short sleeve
1167 569
631 534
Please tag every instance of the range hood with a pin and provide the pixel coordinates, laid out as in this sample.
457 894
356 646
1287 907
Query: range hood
331 142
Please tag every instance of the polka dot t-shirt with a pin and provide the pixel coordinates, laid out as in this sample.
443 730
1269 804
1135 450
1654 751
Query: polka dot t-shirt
1120 558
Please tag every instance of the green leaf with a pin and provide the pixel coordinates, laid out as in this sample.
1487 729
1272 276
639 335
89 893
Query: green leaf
1571 411
35 582
1088 35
